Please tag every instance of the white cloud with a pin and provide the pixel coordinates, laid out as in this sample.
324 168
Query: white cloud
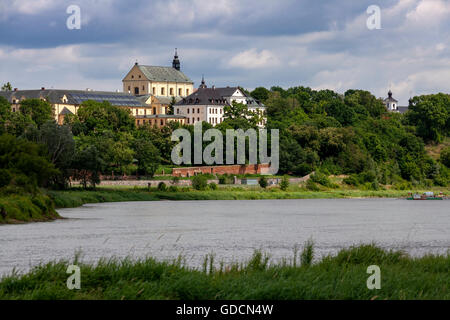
252 59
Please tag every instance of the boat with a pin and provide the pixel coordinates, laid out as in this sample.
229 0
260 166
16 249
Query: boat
425 196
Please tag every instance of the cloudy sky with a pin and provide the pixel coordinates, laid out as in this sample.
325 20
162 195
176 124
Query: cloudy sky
251 43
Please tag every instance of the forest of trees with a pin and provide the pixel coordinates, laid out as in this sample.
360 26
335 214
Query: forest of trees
320 131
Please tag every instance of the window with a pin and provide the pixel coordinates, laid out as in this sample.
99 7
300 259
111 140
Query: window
137 111
179 92
139 122
139 76
162 91
161 122
129 88
132 77
178 111
154 90
198 110
171 91
198 119
136 90
188 119
188 111
143 88
154 110
187 92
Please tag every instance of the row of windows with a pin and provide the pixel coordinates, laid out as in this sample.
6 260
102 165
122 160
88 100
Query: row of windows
163 91
154 111
215 111
154 121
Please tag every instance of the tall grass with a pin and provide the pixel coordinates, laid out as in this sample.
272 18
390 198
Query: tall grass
335 277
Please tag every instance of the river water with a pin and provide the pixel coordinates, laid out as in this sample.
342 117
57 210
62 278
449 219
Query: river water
232 230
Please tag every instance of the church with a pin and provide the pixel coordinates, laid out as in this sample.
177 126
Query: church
157 87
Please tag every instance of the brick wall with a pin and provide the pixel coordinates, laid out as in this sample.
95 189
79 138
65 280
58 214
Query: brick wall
230 169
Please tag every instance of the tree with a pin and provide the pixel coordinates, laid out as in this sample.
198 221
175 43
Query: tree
200 182
260 94
39 110
445 157
431 115
87 165
26 162
284 183
7 87
60 146
147 156
95 116
263 182
170 108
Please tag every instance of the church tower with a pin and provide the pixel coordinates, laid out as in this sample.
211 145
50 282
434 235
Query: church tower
176 62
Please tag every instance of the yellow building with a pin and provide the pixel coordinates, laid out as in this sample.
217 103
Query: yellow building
158 81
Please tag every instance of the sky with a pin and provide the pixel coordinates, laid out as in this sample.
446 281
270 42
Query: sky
251 43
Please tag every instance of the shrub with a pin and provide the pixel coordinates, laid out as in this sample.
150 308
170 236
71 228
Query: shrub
5 178
200 182
310 185
175 180
263 182
173 189
284 183
352 181
321 178
445 157
162 186
213 186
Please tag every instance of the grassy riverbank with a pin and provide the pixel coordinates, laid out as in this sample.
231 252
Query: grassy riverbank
78 197
29 208
340 277
26 208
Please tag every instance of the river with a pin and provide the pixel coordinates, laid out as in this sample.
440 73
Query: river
232 230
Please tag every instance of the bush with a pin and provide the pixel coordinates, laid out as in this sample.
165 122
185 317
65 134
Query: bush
310 185
284 183
352 181
445 157
162 186
213 186
175 180
5 178
173 189
321 178
200 182
263 182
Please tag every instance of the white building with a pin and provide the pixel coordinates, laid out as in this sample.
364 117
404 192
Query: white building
207 104
392 104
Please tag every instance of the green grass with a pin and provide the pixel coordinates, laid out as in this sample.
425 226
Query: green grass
77 197
339 277
26 208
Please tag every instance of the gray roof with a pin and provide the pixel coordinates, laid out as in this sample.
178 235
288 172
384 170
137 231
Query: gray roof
75 97
170 74
65 111
403 109
163 99
218 96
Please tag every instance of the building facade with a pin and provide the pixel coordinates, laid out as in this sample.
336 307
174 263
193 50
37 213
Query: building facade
65 102
207 104
392 104
158 81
